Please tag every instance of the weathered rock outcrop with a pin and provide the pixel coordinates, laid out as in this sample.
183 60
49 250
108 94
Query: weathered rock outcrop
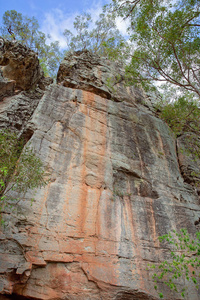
21 76
21 64
105 78
115 186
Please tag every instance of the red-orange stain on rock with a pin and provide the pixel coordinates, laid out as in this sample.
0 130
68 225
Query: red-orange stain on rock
131 223
132 220
95 134
39 230
153 225
91 124
80 215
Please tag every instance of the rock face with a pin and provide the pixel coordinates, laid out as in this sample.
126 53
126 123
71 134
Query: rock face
21 77
7 87
85 71
188 160
20 63
116 186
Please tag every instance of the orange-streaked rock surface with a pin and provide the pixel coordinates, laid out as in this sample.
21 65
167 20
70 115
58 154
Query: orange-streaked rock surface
115 188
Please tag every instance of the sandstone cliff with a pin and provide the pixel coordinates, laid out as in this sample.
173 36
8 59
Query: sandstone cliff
116 183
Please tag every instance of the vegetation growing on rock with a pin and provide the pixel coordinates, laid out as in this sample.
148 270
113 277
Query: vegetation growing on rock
184 263
20 169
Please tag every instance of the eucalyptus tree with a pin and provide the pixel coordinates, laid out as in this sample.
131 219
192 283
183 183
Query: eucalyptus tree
101 36
166 38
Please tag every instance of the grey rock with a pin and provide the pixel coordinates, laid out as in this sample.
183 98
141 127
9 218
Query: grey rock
188 158
44 82
20 64
7 87
116 186
83 70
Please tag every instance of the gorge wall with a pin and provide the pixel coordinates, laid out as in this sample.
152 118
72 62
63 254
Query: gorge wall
117 183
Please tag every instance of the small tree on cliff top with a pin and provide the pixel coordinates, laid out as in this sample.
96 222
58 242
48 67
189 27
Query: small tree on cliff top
101 37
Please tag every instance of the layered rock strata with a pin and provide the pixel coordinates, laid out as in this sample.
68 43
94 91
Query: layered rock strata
115 187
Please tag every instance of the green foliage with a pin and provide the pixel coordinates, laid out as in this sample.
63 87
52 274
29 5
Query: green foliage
26 30
166 39
184 262
182 115
101 37
20 168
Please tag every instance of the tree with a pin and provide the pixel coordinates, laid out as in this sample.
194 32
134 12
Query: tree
184 262
26 30
82 39
101 37
166 38
182 116
20 168
50 58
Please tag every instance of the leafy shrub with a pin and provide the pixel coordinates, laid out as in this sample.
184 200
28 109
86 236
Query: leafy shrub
20 168
182 116
184 262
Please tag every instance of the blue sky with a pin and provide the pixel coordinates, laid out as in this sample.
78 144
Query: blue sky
39 8
56 15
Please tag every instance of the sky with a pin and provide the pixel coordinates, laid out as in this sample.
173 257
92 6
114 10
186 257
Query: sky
56 15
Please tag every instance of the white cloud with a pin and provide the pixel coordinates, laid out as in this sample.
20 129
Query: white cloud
56 21
122 25
95 10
